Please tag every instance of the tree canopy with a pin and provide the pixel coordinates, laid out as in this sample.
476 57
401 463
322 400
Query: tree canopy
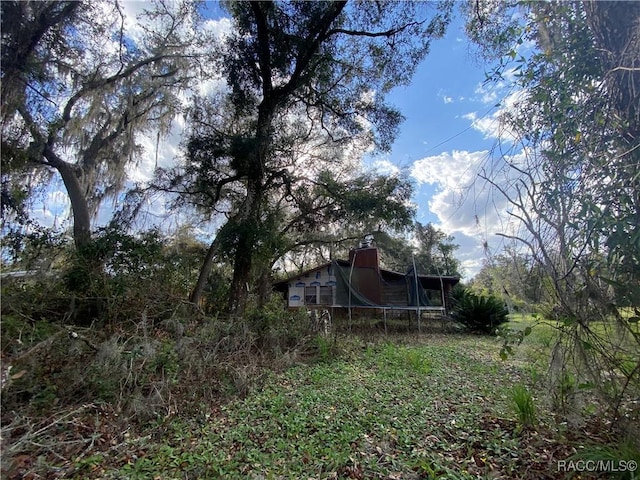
293 97
79 86
296 70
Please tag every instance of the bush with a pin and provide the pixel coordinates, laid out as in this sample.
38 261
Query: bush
479 313
277 330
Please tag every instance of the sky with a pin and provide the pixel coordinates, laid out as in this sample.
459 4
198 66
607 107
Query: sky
449 129
451 125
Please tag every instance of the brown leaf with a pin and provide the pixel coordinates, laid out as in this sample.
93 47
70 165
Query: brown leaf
18 375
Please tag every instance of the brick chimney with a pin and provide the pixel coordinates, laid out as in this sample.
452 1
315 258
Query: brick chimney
367 278
365 257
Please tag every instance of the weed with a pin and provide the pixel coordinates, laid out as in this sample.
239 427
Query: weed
325 349
523 405
619 459
399 360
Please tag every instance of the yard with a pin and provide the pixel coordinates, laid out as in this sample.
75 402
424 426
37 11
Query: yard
398 406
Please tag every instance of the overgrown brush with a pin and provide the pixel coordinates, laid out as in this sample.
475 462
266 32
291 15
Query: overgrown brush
123 339
147 372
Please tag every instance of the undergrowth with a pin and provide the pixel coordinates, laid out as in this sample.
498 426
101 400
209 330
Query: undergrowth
196 396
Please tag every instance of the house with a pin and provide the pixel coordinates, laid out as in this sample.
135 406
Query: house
360 283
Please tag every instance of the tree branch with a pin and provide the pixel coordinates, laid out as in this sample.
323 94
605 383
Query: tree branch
364 33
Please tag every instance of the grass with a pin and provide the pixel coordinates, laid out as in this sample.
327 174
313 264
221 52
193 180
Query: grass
524 406
403 405
406 407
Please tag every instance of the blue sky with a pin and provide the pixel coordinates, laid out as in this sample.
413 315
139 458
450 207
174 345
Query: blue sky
441 92
450 126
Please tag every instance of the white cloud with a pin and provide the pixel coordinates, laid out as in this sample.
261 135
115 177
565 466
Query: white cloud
448 170
219 28
445 98
496 125
491 92
487 93
385 167
466 205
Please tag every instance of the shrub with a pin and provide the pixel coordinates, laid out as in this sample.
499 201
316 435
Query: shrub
479 313
277 330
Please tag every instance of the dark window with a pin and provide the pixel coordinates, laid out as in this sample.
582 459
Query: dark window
310 295
326 295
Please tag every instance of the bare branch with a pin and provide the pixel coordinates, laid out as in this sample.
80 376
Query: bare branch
363 33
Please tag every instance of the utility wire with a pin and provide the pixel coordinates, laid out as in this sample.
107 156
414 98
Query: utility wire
461 132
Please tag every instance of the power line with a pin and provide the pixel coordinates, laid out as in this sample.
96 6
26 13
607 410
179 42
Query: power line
461 132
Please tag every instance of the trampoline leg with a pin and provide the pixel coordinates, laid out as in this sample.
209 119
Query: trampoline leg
384 315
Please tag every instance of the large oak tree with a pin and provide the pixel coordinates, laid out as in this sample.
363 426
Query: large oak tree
80 83
328 63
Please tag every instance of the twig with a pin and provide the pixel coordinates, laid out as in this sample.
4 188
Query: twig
25 438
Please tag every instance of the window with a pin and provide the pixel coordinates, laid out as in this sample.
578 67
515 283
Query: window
310 295
318 295
326 295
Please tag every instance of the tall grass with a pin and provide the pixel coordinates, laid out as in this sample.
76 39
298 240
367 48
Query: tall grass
523 406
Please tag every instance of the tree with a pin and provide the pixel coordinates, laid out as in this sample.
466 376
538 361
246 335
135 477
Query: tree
79 86
335 213
329 63
322 205
435 251
512 276
572 188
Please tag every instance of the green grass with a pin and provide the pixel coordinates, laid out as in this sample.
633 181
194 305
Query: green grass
397 406
404 409
523 405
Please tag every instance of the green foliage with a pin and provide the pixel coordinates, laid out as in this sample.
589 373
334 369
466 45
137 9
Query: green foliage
366 200
572 155
395 359
216 292
364 417
32 249
435 251
18 332
277 330
382 409
325 348
140 273
523 405
479 313
513 276
300 78
622 458
513 337
115 278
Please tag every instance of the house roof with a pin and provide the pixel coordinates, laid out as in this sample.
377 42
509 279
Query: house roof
282 284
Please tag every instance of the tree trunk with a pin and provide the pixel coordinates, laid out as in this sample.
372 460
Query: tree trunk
254 168
205 270
78 199
246 240
616 28
239 293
